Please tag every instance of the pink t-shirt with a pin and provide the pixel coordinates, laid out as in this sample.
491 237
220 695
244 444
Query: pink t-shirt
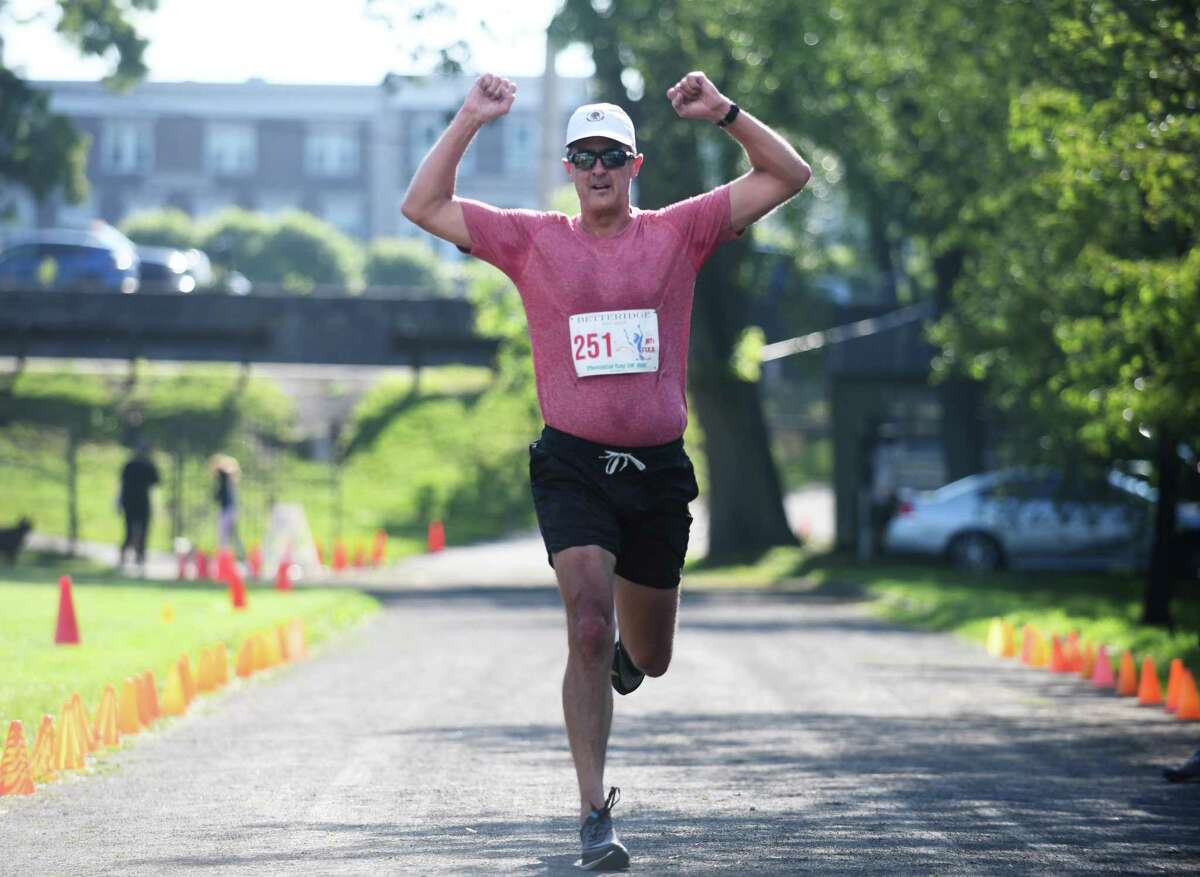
561 269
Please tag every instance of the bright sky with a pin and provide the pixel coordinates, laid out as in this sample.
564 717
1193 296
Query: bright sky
325 41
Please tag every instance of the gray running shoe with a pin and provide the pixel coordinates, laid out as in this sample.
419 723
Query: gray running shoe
626 677
601 849
1188 772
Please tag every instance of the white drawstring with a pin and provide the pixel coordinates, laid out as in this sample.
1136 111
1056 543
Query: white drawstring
618 460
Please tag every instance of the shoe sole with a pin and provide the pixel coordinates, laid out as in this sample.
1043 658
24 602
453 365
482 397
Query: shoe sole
615 859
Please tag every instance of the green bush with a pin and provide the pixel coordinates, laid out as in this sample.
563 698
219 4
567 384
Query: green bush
406 263
169 227
295 250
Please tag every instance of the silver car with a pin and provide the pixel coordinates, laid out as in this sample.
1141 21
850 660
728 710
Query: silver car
1034 518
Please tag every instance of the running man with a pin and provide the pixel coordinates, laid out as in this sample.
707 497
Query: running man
608 299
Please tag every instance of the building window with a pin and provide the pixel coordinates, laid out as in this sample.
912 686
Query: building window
332 151
522 148
424 129
231 149
126 146
346 212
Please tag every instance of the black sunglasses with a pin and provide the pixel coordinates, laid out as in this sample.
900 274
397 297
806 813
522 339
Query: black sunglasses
585 159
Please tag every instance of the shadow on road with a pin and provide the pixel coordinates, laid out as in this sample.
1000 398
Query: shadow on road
749 793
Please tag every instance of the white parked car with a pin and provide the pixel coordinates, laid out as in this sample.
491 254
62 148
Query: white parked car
1033 518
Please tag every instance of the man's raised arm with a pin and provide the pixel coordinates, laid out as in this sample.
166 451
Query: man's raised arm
777 172
430 200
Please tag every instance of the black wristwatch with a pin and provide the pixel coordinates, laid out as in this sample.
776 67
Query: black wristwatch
734 109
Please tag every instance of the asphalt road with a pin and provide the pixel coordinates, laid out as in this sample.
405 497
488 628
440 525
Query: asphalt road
793 735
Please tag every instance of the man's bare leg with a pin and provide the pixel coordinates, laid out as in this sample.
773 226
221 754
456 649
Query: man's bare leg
646 618
585 580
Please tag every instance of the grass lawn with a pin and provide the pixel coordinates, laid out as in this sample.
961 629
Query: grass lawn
123 632
1103 608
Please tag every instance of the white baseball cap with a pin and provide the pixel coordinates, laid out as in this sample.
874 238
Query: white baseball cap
601 120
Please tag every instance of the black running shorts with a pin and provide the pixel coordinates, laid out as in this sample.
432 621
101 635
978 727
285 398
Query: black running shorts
632 502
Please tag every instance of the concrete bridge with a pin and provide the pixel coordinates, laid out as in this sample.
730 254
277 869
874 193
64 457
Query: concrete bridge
340 330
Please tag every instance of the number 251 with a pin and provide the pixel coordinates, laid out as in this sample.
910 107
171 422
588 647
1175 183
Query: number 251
588 346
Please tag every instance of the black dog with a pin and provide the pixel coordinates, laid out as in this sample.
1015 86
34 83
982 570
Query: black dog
11 538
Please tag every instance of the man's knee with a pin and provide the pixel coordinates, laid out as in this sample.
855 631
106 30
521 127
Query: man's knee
591 633
585 576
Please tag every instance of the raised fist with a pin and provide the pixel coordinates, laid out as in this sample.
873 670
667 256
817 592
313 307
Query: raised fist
490 97
695 97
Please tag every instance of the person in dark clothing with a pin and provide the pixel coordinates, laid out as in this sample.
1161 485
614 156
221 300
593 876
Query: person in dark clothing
225 471
138 476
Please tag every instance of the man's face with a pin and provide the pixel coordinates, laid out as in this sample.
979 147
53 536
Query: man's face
600 187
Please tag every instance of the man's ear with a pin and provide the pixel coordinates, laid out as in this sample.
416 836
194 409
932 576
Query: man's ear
567 167
637 164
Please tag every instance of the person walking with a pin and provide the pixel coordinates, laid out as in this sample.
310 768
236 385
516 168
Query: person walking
138 476
226 471
608 298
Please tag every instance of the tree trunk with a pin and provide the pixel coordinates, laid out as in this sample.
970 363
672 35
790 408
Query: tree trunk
72 490
961 399
745 500
1156 604
176 495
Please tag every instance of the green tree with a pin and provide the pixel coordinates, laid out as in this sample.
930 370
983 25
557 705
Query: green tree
295 250
402 262
1084 303
169 227
41 149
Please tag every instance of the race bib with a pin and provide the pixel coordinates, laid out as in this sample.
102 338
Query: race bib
614 342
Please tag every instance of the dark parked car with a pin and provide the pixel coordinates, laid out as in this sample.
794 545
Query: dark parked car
100 259
166 270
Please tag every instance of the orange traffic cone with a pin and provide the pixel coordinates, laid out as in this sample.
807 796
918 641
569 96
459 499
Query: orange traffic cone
41 763
143 701
295 636
1149 691
339 556
360 556
258 646
378 547
1127 682
1173 680
127 711
1072 653
107 731
185 676
83 728
68 754
995 638
283 576
1087 661
205 677
1102 676
437 536
1058 660
221 665
245 658
201 566
255 561
1189 699
150 688
15 775
174 702
320 549
67 630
